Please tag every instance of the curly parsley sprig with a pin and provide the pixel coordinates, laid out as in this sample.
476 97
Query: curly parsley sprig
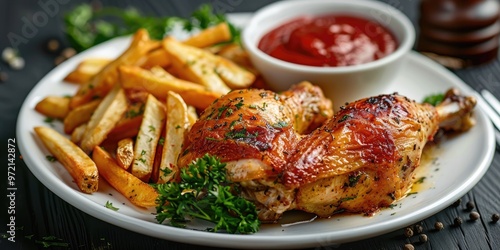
86 27
205 193
434 99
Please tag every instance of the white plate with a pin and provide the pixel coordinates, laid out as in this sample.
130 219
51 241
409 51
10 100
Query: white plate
460 164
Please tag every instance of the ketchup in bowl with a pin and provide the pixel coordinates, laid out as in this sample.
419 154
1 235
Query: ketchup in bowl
330 40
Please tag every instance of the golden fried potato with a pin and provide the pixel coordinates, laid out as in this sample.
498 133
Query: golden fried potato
53 106
136 191
125 153
215 72
104 119
194 64
159 84
86 70
192 115
77 133
147 139
104 81
210 36
128 126
79 116
79 165
156 58
176 126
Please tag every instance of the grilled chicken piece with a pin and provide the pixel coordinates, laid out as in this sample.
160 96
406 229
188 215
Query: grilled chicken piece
254 131
364 158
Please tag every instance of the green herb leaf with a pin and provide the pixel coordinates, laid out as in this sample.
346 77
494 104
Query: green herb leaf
48 120
205 193
434 99
50 158
86 27
420 180
109 205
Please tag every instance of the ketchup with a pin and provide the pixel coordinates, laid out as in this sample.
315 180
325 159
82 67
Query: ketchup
331 40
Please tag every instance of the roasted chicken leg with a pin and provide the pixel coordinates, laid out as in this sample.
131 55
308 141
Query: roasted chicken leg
365 156
254 131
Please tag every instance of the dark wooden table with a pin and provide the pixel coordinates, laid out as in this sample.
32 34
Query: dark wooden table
39 213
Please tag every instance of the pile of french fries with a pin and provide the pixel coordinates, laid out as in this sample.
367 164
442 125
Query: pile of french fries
127 121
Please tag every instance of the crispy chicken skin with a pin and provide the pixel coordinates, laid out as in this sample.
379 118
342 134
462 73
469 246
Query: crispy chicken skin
364 158
288 152
254 131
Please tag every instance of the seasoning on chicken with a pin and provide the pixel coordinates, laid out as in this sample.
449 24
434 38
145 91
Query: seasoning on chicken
254 131
364 158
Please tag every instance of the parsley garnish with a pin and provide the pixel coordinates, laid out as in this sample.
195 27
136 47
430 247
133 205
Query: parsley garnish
50 158
344 118
166 171
205 193
240 134
109 205
239 104
48 120
221 110
134 112
152 128
411 193
280 124
353 180
47 241
420 180
348 198
434 99
86 27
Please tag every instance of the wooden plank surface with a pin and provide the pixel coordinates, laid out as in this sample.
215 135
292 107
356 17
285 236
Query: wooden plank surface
40 213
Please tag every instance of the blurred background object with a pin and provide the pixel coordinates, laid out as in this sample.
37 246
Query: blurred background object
459 33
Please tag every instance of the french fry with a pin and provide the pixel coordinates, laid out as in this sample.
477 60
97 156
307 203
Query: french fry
79 115
137 95
125 153
200 66
78 132
136 191
205 38
192 115
195 65
105 117
152 124
77 163
158 58
87 69
129 125
235 53
157 161
104 81
142 79
210 36
233 75
125 128
176 125
53 106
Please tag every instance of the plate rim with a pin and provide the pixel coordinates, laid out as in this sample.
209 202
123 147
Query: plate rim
242 241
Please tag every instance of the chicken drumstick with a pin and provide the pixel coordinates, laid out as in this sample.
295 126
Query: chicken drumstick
364 158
